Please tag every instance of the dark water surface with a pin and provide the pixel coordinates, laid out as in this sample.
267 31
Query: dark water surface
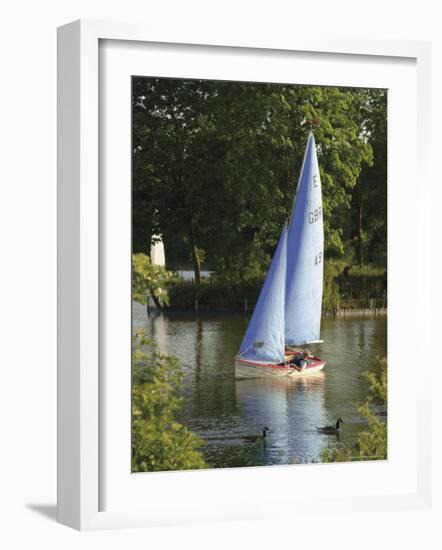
224 411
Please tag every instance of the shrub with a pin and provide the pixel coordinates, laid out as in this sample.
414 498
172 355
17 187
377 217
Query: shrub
331 296
213 294
159 442
149 279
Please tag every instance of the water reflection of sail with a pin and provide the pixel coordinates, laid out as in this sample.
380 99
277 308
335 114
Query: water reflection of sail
261 405
307 411
291 407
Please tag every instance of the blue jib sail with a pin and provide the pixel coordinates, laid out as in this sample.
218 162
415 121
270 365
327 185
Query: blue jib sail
264 339
305 256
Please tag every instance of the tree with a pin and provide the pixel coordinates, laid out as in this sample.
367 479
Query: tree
149 280
216 164
170 130
159 442
369 201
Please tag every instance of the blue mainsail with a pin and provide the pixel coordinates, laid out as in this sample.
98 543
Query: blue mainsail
264 338
305 256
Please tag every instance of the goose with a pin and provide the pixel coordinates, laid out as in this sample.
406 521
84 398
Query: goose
331 430
256 438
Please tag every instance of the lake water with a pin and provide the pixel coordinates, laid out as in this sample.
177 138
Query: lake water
224 411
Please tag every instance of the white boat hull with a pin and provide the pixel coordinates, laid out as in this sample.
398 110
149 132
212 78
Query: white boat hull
246 369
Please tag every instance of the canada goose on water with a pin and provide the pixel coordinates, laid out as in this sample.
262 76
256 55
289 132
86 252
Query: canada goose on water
331 430
256 438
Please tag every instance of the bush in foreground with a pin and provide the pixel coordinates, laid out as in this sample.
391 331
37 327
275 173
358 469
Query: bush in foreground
159 442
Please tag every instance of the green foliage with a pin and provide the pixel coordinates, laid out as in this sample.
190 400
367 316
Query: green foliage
216 166
367 270
149 279
331 294
159 442
378 383
368 215
365 284
246 269
214 294
228 292
371 443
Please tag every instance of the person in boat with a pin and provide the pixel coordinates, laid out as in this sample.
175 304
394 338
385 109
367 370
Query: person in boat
300 361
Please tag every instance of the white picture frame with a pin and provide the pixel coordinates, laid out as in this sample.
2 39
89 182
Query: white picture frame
79 269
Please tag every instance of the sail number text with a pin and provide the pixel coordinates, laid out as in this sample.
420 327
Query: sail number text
318 258
315 215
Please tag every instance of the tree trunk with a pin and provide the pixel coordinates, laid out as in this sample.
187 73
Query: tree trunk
196 264
158 304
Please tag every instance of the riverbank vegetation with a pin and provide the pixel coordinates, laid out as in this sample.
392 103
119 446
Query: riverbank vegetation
149 280
352 290
344 288
215 169
159 442
371 443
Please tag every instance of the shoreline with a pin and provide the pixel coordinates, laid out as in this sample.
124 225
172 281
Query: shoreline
201 312
350 312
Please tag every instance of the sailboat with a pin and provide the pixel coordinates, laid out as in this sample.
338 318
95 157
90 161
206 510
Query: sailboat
287 315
